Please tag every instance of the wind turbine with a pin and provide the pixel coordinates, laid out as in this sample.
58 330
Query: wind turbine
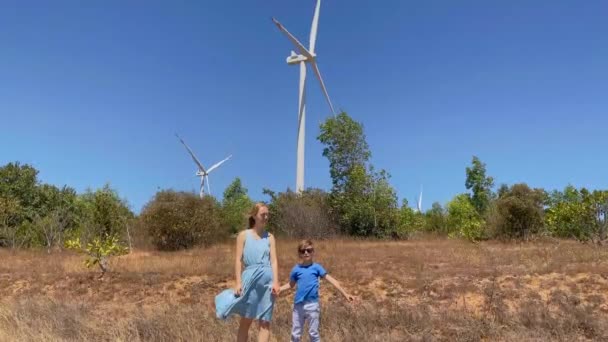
420 201
202 172
304 56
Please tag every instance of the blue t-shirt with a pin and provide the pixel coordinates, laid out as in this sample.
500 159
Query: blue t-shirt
307 280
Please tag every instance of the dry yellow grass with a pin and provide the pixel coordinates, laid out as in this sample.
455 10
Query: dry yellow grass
422 290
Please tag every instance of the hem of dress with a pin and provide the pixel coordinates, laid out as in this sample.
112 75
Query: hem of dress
255 318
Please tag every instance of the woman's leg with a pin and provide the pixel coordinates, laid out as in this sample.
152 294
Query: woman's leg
264 335
244 329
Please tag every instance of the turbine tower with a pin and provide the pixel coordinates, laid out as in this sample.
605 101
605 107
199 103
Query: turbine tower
202 172
301 58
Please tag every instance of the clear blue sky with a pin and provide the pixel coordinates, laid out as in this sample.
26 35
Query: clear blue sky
93 93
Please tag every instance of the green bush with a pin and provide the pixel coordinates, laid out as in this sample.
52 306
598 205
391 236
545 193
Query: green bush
181 220
436 219
578 214
306 215
409 222
463 219
519 212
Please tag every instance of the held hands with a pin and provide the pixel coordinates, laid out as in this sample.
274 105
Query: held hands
276 288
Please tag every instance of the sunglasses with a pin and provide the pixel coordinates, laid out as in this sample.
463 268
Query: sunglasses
307 250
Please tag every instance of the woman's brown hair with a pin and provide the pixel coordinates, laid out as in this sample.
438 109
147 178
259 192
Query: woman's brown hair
253 212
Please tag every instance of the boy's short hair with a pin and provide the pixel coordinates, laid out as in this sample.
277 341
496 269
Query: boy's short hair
303 244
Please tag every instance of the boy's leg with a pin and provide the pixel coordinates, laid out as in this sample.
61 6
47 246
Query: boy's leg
313 314
297 323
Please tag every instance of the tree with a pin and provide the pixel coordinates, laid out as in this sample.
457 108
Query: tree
105 214
480 185
57 214
409 221
20 182
520 212
234 206
599 206
436 219
10 211
363 200
345 147
386 212
181 220
355 205
463 219
578 214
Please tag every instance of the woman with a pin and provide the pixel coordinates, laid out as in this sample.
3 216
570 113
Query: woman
253 296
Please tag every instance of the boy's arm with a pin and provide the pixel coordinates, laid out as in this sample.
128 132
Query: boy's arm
337 285
288 286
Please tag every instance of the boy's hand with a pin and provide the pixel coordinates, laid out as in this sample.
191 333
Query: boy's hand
352 299
238 289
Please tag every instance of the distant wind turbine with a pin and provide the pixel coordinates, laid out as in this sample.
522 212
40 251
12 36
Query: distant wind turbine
202 172
304 56
420 200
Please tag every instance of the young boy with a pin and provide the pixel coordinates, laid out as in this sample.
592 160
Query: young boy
305 276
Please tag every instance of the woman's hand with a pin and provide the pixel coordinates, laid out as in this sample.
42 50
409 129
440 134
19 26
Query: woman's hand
276 288
238 289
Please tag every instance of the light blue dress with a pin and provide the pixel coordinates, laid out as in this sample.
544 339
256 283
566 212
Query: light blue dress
256 301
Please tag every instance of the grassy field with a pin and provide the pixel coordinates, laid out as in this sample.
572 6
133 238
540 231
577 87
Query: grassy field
422 290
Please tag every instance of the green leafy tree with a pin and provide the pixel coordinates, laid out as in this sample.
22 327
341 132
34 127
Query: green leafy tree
345 148
463 219
57 215
355 205
235 205
104 213
410 221
10 217
20 182
480 185
578 214
363 200
599 200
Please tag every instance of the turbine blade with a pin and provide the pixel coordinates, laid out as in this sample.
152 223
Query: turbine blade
217 165
293 39
315 25
208 186
315 67
198 163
